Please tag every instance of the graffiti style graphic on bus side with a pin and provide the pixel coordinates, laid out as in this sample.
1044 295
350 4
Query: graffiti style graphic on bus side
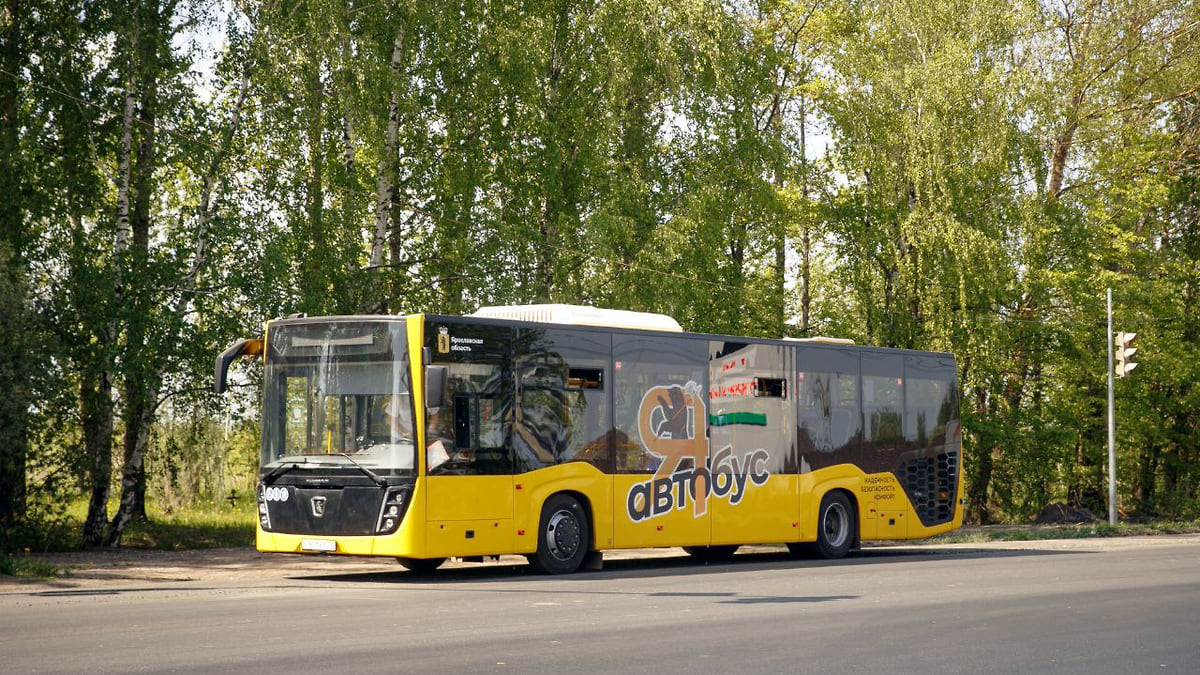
672 423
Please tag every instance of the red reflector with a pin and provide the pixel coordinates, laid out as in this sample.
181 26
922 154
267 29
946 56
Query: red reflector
520 533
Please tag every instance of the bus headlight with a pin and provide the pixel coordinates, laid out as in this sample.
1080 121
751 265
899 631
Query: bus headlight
392 511
264 517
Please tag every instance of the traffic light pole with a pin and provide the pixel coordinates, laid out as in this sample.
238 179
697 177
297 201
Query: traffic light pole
1112 450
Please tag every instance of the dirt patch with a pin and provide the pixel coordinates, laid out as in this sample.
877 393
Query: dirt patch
1055 514
90 568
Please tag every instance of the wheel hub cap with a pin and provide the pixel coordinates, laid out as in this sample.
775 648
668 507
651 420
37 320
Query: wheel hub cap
562 535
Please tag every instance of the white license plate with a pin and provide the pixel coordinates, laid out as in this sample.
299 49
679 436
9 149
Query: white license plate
323 545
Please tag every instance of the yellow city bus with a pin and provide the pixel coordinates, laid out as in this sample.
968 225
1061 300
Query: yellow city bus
558 432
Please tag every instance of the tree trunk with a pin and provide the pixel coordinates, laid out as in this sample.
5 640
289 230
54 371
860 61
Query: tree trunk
124 162
15 362
385 191
1143 489
315 285
545 264
1087 486
96 388
13 189
805 229
144 419
133 474
14 441
132 505
779 228
95 399
138 354
1058 162
981 477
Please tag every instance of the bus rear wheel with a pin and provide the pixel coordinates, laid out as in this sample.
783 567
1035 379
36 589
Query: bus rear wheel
563 536
711 553
836 525
420 565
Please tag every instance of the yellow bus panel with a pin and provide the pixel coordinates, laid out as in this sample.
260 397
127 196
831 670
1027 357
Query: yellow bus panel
468 497
445 539
763 514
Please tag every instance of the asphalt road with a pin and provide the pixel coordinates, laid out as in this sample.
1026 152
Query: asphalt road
1087 606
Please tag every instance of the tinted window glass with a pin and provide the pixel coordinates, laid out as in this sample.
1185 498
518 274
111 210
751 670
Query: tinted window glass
928 466
931 399
670 374
750 406
829 420
469 434
883 401
562 411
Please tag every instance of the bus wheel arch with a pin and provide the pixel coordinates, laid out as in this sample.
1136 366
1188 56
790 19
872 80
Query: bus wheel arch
837 524
564 533
838 528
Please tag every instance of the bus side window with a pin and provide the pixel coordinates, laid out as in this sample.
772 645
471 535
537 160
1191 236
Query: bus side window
562 409
640 364
828 402
750 407
883 402
929 401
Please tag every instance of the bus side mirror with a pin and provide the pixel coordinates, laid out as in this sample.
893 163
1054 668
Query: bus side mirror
239 349
435 386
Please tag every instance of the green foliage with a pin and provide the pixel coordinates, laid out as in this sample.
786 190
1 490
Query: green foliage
1083 531
173 523
17 371
195 460
205 525
21 566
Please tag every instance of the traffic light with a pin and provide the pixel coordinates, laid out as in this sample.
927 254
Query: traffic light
1124 351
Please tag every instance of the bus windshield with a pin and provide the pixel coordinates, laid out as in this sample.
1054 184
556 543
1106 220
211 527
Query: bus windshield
337 393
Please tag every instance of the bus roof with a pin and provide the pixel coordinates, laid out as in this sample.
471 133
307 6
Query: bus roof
592 318
581 315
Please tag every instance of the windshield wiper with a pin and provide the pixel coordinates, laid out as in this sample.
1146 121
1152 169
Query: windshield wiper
278 471
369 473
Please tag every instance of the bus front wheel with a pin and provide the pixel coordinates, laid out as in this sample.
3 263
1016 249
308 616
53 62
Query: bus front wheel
563 536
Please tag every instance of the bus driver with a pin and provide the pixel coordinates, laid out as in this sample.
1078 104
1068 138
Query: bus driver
400 422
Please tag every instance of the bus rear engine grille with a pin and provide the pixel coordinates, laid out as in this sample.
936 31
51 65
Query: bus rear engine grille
931 485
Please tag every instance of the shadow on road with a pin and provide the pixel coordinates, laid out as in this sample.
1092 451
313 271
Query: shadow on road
84 592
669 564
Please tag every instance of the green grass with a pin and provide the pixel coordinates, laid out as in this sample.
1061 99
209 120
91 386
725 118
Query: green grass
969 535
21 566
205 525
